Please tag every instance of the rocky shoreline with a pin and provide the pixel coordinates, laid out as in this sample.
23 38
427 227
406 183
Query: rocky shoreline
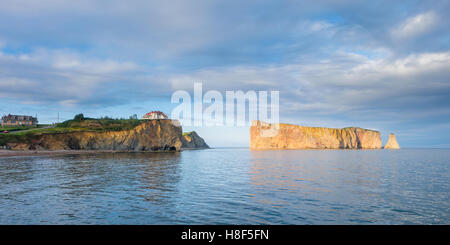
159 135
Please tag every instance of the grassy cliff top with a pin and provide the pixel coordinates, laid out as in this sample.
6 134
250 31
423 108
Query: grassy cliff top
102 124
24 134
188 133
316 127
20 128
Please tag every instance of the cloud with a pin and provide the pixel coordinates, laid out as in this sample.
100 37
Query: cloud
194 34
333 61
389 93
416 25
348 84
144 29
69 78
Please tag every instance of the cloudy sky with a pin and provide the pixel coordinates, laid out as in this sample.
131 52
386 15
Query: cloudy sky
382 65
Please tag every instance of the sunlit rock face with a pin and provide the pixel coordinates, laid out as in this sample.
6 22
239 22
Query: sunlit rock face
288 136
192 140
392 143
153 135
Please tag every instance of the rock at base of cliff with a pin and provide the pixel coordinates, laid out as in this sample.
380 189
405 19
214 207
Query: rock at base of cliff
392 143
191 140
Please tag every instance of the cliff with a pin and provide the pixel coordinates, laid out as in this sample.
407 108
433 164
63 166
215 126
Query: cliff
192 140
265 136
392 143
152 135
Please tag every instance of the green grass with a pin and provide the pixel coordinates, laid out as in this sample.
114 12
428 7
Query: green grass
27 136
15 138
187 133
102 124
86 124
19 128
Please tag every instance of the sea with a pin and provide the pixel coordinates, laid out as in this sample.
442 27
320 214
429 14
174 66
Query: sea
229 186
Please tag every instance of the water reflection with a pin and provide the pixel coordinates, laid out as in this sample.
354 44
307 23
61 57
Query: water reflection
154 173
340 187
314 170
228 186
86 187
12 173
332 182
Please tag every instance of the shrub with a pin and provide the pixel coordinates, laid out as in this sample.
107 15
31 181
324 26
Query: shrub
79 117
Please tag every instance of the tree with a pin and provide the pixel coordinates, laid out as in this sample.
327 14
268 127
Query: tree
79 117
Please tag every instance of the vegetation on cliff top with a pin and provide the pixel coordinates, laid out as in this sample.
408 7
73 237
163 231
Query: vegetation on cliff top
20 128
315 127
78 123
102 124
188 133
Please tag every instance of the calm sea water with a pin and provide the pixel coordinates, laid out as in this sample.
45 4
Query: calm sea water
229 186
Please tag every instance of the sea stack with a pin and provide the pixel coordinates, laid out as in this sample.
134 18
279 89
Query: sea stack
191 140
287 136
392 143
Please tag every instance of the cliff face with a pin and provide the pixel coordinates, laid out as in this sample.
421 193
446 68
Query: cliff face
298 137
392 143
192 140
153 135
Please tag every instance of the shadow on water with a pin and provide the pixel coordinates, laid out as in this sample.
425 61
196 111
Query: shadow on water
151 176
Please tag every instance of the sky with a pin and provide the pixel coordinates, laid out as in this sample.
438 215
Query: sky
382 65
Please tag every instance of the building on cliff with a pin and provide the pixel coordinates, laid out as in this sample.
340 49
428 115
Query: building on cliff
155 115
19 120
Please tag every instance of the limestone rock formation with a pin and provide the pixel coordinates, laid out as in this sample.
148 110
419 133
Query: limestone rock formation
392 143
288 136
153 135
192 140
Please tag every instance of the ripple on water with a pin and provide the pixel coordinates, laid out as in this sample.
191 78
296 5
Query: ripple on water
229 186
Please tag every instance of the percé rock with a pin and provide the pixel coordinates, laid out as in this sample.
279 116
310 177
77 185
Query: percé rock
152 135
392 143
265 136
191 140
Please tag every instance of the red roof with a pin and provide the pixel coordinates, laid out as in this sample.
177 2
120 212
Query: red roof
160 113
